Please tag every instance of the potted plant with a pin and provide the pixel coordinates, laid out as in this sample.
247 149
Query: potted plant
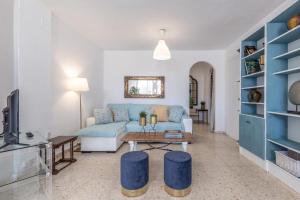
202 103
191 103
143 116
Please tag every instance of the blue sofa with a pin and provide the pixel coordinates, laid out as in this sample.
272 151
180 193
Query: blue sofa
107 137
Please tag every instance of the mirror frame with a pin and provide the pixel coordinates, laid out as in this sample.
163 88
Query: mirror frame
128 78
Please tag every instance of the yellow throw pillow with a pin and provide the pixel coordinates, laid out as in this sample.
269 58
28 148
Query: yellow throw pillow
161 112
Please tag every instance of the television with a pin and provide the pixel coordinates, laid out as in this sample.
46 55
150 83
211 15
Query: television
11 120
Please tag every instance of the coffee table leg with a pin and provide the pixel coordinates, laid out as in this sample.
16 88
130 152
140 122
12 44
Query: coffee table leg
184 146
133 145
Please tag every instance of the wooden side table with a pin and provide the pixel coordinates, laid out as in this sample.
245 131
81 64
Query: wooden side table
58 142
204 111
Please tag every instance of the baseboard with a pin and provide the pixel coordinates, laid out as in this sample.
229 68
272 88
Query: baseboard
220 132
250 156
287 178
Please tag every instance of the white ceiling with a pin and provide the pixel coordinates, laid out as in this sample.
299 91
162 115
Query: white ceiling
135 24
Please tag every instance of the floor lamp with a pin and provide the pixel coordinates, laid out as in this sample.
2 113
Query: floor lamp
80 85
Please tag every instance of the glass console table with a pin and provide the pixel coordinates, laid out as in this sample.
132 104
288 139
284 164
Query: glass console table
25 171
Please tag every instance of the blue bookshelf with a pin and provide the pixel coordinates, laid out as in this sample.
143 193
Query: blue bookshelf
282 58
267 126
252 117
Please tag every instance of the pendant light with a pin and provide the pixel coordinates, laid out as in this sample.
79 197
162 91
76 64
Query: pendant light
161 51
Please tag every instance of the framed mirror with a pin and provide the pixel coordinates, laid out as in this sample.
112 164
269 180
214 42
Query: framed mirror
144 86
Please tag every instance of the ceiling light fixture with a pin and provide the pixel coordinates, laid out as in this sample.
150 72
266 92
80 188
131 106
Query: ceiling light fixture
161 51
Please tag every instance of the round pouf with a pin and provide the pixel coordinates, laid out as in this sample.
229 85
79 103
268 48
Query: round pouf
178 173
134 173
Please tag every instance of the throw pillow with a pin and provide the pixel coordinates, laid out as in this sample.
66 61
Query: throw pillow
103 116
120 114
161 112
175 113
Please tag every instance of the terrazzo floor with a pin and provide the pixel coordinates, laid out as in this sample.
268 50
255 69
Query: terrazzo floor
219 173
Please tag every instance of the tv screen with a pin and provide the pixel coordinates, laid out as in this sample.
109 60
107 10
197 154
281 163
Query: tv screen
12 137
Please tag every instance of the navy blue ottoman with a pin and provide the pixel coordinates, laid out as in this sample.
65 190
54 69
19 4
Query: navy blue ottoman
134 173
178 173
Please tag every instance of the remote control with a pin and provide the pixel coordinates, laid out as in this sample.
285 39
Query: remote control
29 134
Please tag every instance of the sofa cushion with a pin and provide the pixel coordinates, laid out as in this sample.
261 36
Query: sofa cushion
161 112
120 114
175 113
133 126
135 109
103 130
103 116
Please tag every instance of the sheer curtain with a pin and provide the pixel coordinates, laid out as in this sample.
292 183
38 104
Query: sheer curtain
212 101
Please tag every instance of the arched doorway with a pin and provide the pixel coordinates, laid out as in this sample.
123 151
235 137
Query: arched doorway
202 93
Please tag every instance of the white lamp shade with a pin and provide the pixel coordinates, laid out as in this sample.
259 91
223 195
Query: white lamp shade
79 84
161 52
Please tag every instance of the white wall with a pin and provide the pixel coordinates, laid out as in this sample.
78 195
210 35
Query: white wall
48 53
33 62
73 56
118 64
6 53
232 92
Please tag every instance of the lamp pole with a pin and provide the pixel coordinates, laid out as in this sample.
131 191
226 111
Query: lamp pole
79 85
80 107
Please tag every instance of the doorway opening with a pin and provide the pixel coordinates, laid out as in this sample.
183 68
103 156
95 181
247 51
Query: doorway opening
202 94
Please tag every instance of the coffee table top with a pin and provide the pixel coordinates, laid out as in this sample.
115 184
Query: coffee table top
156 137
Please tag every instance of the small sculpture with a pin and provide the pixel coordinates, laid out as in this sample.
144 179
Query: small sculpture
294 95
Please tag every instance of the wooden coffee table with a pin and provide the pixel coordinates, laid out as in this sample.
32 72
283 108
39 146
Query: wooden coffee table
134 138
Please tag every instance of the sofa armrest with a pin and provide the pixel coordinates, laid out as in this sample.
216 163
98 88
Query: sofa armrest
90 121
187 124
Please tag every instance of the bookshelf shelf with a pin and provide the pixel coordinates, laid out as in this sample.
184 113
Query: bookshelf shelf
253 87
254 75
289 54
255 55
288 71
287 37
253 115
253 103
286 143
285 114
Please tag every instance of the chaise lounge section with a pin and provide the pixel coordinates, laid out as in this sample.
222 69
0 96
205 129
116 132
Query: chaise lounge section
107 136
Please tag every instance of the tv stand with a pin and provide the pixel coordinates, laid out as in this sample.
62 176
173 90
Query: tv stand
21 144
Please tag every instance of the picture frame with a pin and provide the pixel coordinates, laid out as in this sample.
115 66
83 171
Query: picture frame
144 87
249 50
252 66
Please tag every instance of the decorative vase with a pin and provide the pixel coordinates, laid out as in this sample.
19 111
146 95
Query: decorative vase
202 106
142 121
293 22
254 96
153 119
294 94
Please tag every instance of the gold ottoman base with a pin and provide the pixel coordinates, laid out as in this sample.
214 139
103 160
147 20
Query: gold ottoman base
178 193
135 193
